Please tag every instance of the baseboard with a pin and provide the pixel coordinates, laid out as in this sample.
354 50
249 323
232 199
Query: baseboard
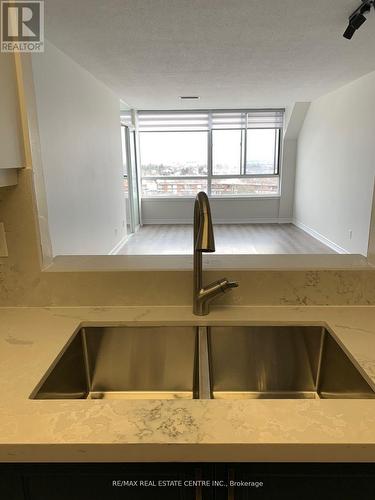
260 220
320 237
119 245
285 220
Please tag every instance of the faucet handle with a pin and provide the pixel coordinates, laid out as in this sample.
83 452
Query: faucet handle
227 285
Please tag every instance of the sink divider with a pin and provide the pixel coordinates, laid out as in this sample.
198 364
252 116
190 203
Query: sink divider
204 382
86 360
321 347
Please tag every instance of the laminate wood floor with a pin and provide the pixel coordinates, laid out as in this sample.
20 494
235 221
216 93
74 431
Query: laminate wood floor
229 238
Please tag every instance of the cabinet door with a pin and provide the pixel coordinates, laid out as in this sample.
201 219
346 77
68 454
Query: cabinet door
11 141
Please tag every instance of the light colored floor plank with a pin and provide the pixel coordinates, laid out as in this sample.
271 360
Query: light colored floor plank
229 238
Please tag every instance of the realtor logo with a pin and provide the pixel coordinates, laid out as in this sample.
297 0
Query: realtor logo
22 26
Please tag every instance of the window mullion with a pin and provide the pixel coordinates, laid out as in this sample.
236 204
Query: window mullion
244 171
275 167
209 154
242 156
278 149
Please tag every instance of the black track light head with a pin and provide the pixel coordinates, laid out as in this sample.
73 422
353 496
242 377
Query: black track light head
357 18
357 21
349 32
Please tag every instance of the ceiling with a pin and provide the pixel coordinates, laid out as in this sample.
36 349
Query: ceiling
232 53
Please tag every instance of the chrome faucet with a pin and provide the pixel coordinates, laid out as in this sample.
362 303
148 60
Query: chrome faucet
204 242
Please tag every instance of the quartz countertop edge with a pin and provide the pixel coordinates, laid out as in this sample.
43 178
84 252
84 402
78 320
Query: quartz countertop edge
177 430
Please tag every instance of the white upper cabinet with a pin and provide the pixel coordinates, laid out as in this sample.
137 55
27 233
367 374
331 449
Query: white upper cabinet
11 146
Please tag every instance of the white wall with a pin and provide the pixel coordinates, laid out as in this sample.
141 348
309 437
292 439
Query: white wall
81 155
336 166
294 117
288 173
180 211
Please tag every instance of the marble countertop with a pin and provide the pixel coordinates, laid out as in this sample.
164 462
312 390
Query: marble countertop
177 430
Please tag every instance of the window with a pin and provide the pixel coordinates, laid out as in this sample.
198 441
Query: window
225 153
171 161
174 153
242 186
262 146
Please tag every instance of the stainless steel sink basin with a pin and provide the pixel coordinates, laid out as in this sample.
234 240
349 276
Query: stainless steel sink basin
242 362
282 362
124 362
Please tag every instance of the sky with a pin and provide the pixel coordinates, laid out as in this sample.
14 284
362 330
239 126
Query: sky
174 148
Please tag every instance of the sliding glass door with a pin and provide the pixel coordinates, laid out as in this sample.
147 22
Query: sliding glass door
131 192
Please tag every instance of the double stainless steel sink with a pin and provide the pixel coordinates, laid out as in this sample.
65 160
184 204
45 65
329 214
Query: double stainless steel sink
218 362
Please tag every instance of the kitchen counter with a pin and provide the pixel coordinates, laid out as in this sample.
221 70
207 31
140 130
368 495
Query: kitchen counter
177 430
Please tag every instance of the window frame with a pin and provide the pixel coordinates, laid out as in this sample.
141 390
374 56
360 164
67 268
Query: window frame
210 175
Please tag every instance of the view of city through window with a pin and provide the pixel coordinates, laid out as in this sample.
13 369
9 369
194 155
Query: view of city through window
177 163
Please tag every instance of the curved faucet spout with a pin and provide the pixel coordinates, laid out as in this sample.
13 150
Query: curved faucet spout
204 241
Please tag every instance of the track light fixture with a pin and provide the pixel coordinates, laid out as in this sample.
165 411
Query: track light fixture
358 18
